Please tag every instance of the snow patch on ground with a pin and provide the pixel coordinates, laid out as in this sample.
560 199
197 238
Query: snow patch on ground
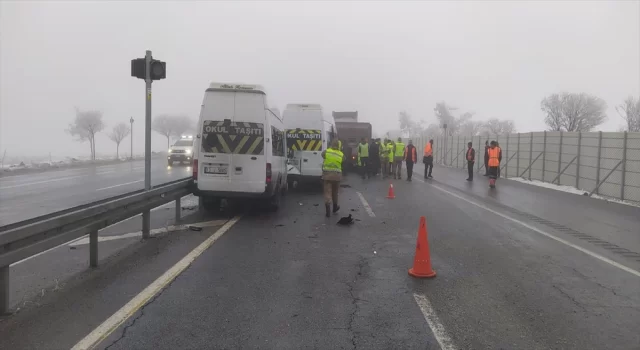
571 189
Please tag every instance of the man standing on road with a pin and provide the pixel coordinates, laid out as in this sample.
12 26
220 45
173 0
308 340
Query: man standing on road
410 158
374 158
495 157
427 159
384 158
399 154
486 158
392 154
363 157
471 159
331 176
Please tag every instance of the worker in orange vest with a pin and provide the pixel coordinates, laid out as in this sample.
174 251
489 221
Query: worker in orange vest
427 159
495 157
410 158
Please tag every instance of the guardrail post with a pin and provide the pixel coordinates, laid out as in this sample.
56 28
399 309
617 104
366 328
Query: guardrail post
598 166
93 248
559 158
4 290
578 163
146 224
624 166
178 208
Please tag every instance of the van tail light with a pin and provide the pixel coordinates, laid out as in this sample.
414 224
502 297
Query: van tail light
268 173
195 169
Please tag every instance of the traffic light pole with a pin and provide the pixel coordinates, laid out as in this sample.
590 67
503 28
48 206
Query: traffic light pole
146 215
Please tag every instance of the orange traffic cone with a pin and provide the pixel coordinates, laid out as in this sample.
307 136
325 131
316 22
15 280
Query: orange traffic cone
422 261
391 195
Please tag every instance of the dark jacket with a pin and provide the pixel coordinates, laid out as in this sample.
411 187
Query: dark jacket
374 150
473 155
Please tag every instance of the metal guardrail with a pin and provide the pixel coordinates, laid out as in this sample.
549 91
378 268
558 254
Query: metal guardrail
21 240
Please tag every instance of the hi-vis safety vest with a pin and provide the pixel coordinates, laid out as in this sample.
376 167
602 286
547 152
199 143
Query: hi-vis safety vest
428 151
332 160
494 153
391 148
399 149
469 156
363 150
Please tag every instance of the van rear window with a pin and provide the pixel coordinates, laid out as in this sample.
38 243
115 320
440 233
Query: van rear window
232 138
304 140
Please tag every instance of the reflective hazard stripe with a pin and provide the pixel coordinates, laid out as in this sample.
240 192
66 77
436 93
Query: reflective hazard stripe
304 140
234 138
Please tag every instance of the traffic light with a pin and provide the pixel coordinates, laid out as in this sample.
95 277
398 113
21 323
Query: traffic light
157 71
138 68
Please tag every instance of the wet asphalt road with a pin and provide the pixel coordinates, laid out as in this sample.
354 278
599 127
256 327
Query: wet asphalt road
295 280
26 196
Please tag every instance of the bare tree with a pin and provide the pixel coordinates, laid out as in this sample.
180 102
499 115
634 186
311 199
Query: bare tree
170 125
85 127
630 112
470 128
573 112
443 113
408 126
118 133
495 126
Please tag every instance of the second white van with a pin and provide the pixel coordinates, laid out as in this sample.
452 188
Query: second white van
309 132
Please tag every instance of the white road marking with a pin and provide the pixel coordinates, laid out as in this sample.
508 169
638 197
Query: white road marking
546 234
117 319
114 186
366 205
153 232
43 182
434 323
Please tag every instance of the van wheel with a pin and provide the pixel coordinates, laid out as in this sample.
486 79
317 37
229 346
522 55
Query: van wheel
274 202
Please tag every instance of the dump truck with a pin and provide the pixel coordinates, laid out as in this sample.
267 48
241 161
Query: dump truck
350 132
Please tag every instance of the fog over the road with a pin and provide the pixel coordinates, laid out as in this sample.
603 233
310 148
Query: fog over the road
497 59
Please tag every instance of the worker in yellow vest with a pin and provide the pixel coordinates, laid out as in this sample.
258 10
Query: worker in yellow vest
397 159
385 148
363 157
331 176
392 154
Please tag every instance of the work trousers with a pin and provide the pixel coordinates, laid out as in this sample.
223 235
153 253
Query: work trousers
385 167
493 172
397 167
428 166
470 168
374 163
409 169
364 166
331 186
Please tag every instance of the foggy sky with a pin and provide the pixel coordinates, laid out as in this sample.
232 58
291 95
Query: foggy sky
497 59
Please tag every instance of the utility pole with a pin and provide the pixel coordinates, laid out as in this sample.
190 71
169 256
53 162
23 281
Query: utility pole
131 133
148 69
